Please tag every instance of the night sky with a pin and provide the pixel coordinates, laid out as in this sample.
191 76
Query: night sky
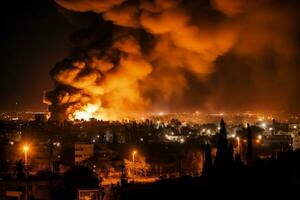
34 36
208 55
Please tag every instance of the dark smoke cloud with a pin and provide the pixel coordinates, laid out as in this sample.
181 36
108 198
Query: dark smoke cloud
230 55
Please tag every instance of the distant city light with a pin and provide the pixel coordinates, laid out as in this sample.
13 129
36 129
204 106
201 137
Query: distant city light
264 125
11 142
259 137
56 144
181 140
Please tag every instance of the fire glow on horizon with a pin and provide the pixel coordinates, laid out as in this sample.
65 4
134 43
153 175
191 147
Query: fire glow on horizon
148 54
86 113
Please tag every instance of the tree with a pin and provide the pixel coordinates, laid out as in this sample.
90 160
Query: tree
79 177
221 160
193 161
208 164
20 170
230 155
238 161
141 167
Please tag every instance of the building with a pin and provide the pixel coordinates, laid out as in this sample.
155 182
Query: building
278 142
83 152
296 141
90 194
34 187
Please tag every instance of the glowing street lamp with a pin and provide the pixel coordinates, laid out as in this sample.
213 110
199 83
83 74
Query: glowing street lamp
133 167
26 149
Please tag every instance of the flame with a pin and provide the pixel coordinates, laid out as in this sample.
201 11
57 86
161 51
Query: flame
87 112
93 111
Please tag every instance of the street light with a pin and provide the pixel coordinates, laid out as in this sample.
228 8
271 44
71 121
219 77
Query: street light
26 149
133 167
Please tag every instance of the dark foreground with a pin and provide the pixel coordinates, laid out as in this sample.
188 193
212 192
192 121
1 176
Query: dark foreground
275 178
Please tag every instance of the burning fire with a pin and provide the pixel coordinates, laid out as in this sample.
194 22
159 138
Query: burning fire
87 112
124 71
143 55
93 111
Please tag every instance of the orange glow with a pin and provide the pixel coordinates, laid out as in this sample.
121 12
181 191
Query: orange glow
90 110
93 111
258 141
87 112
126 78
26 148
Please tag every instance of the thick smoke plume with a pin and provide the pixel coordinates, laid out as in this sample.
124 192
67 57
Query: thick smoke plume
148 55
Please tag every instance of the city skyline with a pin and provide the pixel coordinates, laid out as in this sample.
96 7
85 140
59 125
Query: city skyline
149 99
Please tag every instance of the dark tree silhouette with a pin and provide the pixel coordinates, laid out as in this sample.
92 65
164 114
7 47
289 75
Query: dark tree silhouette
208 164
230 155
221 160
79 177
20 170
249 153
238 161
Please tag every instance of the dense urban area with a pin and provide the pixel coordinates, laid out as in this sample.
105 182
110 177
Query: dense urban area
150 100
46 159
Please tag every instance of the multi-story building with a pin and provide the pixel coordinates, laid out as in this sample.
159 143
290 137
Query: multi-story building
38 187
83 151
296 141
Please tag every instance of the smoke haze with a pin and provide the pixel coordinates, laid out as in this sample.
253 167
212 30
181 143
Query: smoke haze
179 55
